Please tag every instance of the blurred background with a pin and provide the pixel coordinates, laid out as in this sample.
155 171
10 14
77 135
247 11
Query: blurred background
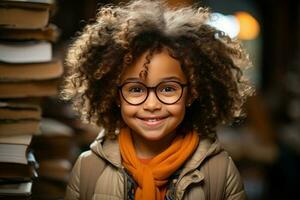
265 145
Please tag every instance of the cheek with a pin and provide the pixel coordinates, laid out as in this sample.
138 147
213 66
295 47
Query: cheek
178 111
127 111
179 108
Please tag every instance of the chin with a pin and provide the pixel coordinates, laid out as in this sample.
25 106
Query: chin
153 137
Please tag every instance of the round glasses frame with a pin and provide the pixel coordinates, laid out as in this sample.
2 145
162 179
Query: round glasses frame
155 91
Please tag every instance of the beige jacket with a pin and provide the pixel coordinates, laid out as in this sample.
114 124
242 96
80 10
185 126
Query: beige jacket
192 183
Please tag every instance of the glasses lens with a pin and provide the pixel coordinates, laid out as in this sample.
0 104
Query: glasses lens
169 92
134 93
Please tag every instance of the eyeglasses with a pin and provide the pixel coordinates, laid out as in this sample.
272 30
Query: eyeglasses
136 93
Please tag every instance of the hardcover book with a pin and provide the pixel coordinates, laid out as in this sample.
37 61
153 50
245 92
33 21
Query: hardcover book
30 71
25 52
26 14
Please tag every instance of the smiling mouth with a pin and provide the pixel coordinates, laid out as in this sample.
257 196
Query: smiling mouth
152 122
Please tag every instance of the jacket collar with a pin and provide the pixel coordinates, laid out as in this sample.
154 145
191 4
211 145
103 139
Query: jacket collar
206 148
109 150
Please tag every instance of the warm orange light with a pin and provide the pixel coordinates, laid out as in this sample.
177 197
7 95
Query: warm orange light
249 27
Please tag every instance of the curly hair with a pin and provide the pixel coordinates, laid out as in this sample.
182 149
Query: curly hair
211 61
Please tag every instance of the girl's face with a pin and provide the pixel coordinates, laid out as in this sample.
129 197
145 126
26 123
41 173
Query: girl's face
153 120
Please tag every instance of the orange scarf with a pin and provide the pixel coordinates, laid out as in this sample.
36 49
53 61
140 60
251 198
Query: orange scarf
152 177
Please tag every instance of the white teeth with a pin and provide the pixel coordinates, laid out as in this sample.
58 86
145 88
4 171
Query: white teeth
152 120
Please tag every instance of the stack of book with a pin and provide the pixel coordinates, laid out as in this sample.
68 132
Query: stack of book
27 71
18 123
84 134
27 68
54 149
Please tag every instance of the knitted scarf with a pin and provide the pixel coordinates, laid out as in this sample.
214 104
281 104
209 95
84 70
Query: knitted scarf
153 176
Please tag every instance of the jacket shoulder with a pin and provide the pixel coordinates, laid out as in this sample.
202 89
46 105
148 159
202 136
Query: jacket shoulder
84 175
234 188
72 190
89 154
223 178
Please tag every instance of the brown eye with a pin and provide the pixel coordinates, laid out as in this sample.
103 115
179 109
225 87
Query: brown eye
136 90
168 89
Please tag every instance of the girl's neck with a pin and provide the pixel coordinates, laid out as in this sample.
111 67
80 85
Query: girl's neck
147 149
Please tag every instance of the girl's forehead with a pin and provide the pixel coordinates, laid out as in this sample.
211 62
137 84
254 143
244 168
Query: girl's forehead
159 67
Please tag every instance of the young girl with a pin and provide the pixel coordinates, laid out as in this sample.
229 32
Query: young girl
159 81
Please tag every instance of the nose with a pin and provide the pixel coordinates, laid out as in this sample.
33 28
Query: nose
152 103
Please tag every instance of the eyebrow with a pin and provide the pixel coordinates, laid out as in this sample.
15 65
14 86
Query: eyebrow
132 79
170 78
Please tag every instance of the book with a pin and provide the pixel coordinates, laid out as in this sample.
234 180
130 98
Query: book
49 33
15 149
29 89
56 141
48 189
25 52
26 14
30 71
16 139
10 127
15 188
10 153
51 127
11 110
55 169
18 171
